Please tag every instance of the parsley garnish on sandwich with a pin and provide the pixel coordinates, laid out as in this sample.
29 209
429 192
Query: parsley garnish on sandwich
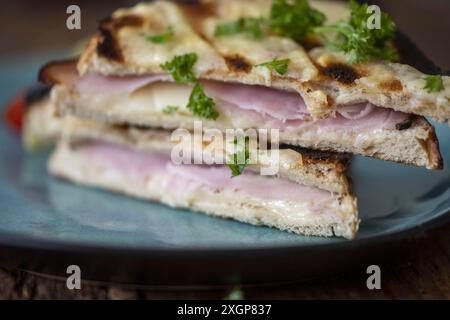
434 84
294 19
280 66
248 26
354 38
162 38
180 68
241 157
201 105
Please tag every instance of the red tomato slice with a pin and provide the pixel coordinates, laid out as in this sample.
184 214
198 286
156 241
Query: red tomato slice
15 112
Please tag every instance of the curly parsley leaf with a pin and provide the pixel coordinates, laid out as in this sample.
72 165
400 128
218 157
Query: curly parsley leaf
241 157
171 109
201 105
434 84
294 19
280 66
162 38
249 26
180 68
354 38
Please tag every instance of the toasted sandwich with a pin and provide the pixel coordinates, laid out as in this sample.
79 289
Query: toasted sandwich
161 54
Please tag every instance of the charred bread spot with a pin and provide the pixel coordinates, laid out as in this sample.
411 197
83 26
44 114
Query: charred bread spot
130 20
393 85
196 12
406 124
318 155
238 64
340 72
108 45
311 42
36 93
59 72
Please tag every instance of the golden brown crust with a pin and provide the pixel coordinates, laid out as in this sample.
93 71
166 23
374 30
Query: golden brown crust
325 80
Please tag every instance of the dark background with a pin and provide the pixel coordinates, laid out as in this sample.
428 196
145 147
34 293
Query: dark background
29 25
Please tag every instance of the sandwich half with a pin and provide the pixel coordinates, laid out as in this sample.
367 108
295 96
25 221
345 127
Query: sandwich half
320 102
309 195
143 101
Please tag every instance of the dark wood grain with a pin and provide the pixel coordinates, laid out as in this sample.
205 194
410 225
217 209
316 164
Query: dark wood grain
421 272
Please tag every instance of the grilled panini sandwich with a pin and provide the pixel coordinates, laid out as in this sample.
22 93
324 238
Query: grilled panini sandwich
130 73
228 64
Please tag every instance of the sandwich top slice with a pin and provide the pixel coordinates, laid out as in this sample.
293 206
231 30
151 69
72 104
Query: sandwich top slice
138 162
231 46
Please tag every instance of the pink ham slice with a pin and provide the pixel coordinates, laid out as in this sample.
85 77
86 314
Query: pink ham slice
280 105
265 106
139 165
270 107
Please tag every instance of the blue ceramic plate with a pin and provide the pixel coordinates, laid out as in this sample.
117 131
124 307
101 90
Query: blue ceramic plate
39 212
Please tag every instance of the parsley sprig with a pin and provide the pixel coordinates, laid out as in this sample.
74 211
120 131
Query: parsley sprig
162 38
280 66
434 84
241 157
201 105
294 19
249 26
180 67
354 38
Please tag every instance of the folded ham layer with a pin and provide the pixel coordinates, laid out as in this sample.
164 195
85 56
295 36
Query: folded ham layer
263 106
140 164
249 198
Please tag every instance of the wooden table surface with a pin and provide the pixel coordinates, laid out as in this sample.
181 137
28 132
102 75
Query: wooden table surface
420 272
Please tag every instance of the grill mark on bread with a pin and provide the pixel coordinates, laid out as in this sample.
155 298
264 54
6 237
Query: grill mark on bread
406 124
238 63
318 155
196 12
340 72
392 85
108 45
